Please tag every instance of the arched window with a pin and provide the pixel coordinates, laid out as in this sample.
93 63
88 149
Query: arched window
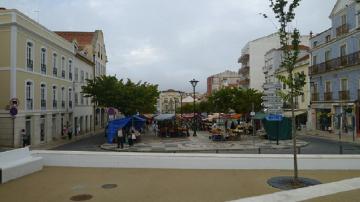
29 95
43 60
29 56
54 93
43 96
70 70
55 71
63 67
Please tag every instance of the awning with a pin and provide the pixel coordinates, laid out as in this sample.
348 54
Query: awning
296 113
259 116
163 117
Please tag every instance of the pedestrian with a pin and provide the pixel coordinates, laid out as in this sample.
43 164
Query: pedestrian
129 139
25 138
78 130
69 132
120 138
133 136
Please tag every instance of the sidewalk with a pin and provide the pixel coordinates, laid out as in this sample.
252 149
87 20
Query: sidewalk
201 143
65 140
330 136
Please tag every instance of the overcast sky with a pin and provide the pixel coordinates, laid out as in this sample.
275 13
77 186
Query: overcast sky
169 42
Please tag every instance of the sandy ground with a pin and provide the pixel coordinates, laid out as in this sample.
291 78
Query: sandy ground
54 184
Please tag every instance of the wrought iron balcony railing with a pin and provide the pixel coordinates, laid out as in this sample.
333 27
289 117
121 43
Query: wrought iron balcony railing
341 30
43 68
55 71
344 95
328 96
336 63
30 64
315 97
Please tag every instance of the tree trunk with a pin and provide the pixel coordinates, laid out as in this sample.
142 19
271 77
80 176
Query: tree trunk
296 179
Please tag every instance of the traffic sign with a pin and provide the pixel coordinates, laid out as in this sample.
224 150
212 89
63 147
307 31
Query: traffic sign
274 117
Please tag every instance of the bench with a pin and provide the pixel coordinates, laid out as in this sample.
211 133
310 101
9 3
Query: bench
17 163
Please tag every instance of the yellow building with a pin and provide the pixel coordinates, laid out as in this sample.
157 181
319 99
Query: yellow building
302 102
37 71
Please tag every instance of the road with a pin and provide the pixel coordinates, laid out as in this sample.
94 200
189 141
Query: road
316 146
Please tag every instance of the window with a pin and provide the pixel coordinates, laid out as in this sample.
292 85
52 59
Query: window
63 67
43 60
76 74
76 99
70 98
54 93
344 84
314 60
63 97
29 56
327 55
328 38
81 99
343 59
87 75
29 95
70 70
54 65
328 86
43 96
82 76
315 43
343 19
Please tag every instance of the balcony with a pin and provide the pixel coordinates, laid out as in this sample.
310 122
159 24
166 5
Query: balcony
341 30
43 68
244 70
344 95
63 74
43 104
63 104
55 71
337 63
29 104
70 104
315 97
328 96
54 104
29 65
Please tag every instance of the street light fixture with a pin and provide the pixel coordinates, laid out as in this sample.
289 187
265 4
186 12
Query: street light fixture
194 83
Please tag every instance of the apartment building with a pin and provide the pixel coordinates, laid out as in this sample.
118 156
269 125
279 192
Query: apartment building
252 59
35 67
223 80
41 73
335 71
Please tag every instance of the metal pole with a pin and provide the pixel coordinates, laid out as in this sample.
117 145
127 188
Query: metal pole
354 127
341 126
194 114
13 130
253 123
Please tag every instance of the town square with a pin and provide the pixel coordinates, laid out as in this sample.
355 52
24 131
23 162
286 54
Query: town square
204 100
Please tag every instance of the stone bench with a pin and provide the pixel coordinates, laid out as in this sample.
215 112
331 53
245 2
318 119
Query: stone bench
17 163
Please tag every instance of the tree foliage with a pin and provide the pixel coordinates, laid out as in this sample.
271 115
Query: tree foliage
284 11
127 96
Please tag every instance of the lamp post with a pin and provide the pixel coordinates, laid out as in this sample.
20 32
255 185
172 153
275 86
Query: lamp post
194 83
181 105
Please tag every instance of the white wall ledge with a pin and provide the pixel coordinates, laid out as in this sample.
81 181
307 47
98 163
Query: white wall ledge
196 161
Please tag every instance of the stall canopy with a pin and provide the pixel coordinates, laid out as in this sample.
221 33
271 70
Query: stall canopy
164 117
114 125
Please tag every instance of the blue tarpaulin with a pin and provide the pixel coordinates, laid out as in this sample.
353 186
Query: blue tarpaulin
114 125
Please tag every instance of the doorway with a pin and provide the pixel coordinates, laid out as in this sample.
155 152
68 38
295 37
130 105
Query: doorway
28 128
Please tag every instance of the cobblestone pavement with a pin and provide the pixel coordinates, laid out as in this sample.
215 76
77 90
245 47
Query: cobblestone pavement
201 143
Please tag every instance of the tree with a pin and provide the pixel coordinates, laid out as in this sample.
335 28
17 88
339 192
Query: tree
285 14
238 99
128 97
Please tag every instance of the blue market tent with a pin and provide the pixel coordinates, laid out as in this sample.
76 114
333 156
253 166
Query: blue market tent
114 125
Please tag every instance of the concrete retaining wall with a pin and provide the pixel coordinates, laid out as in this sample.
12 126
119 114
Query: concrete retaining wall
196 161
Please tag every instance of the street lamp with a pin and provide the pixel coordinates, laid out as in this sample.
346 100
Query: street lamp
194 83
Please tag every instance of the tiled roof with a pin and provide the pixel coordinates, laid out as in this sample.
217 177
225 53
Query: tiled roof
303 58
82 38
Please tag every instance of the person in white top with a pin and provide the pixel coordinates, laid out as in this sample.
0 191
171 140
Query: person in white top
120 138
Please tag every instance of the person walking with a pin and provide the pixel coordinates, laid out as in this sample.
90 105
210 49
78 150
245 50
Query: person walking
120 138
25 138
70 131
